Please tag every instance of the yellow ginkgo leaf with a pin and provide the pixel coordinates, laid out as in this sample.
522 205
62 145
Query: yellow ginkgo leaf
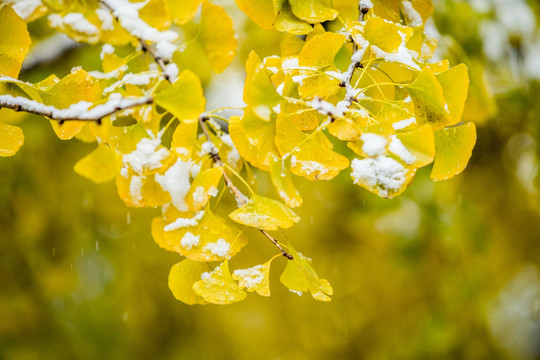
201 236
291 45
14 42
321 50
218 286
183 10
453 148
217 36
455 85
156 14
264 213
141 191
182 277
75 87
101 165
299 276
383 34
313 11
256 278
382 175
203 187
282 180
423 7
11 139
428 97
310 155
259 93
260 11
419 143
184 99
254 139
286 21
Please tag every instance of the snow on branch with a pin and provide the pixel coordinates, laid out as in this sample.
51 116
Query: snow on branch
78 111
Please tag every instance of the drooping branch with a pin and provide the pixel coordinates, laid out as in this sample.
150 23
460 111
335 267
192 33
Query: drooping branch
241 199
80 111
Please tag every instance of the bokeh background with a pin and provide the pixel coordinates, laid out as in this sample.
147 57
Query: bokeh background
447 270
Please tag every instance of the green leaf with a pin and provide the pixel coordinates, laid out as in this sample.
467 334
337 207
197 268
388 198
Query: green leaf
14 42
321 50
184 99
182 277
218 287
453 148
264 213
217 36
101 165
11 139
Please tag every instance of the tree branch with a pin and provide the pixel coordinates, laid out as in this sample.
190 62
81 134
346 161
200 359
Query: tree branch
79 111
241 199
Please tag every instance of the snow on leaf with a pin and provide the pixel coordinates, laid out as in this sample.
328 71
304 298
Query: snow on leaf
182 277
453 148
100 166
264 213
256 278
203 187
14 42
217 36
218 287
11 139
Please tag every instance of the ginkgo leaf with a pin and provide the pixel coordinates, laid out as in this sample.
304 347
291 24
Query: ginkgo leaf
260 11
313 11
286 21
218 286
11 139
321 50
184 140
259 93
291 45
453 148
420 143
201 236
256 278
423 7
75 87
282 180
183 10
182 277
428 97
254 139
382 175
203 187
217 36
264 213
156 14
310 157
300 276
455 85
14 42
141 191
383 34
101 165
184 99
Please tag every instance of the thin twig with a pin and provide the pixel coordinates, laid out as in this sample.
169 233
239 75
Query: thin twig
241 199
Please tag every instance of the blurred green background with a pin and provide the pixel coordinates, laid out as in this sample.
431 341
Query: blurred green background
447 270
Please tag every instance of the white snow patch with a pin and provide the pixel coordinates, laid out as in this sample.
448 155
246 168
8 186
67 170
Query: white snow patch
219 248
373 144
397 148
184 222
382 172
176 181
189 240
